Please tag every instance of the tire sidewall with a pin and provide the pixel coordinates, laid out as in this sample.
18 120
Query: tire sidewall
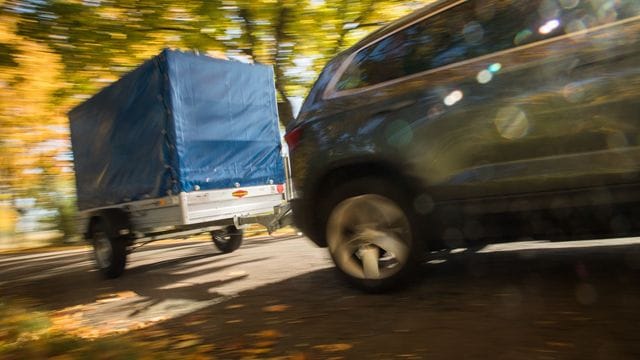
118 256
400 196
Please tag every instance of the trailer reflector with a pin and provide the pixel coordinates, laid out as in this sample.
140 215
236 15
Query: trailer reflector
240 193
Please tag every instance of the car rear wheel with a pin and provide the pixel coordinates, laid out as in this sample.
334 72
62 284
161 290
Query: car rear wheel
371 234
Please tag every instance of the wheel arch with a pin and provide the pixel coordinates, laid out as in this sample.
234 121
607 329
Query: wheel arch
349 171
118 222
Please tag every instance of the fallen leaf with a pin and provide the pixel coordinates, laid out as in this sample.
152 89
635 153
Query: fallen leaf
70 310
206 348
106 298
236 306
333 347
276 308
268 334
186 344
196 322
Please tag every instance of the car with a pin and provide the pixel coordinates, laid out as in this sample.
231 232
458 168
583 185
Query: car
467 122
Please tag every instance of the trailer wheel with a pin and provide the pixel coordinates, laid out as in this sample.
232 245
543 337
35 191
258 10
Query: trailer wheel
110 253
227 240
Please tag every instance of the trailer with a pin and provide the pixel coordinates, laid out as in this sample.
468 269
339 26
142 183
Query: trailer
183 145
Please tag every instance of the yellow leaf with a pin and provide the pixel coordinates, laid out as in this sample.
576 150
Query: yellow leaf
156 344
106 298
236 306
268 334
186 344
333 347
206 348
276 308
196 322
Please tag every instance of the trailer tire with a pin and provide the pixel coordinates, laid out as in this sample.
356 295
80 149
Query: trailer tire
227 240
109 252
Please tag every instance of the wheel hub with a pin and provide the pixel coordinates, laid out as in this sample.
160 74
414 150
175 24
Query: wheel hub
369 237
103 251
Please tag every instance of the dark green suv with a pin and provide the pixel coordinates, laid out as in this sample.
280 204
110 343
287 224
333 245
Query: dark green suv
470 121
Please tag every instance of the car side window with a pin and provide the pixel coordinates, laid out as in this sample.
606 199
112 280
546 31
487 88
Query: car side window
468 30
407 51
476 28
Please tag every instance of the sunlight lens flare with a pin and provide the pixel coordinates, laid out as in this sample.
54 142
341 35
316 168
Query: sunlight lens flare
453 98
549 27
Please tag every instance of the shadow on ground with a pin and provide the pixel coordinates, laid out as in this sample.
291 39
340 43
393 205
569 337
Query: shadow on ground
153 280
579 303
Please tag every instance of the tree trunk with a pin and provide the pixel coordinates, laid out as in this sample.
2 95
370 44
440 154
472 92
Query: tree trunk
285 112
285 109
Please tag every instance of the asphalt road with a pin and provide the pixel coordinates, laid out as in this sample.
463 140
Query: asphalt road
280 298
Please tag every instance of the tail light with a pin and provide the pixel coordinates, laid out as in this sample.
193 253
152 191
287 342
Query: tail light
293 138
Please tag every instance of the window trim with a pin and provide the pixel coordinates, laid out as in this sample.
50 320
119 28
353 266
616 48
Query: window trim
331 92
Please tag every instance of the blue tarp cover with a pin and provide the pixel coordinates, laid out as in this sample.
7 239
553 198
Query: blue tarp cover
178 122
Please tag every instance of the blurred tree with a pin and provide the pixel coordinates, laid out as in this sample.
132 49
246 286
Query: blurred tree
32 122
98 40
